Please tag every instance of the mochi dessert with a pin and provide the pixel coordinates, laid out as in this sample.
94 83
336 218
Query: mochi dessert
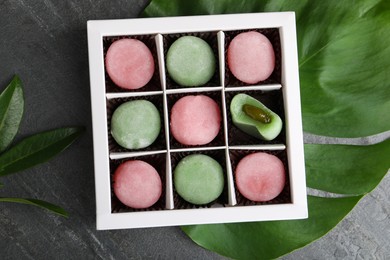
254 118
129 63
137 184
195 120
190 61
198 179
135 124
251 57
260 176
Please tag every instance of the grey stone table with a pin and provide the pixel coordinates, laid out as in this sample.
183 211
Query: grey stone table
45 42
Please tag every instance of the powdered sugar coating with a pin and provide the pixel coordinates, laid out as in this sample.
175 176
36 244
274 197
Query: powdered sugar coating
195 120
190 61
129 63
251 57
135 124
260 176
137 184
198 179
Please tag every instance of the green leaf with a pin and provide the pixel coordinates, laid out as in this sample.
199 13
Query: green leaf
343 56
39 203
11 112
37 149
346 169
344 81
183 7
266 240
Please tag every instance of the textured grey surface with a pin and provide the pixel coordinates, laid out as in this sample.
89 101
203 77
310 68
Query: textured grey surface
45 42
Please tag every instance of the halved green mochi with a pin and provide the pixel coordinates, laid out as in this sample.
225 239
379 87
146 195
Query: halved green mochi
265 125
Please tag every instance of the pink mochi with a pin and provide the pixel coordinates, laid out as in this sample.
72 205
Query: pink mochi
195 120
251 57
260 176
129 63
137 184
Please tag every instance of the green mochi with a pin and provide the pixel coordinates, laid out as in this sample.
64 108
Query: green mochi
198 179
255 128
190 61
135 124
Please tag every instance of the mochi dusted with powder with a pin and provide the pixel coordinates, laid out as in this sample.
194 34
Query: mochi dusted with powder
190 61
251 57
129 63
135 124
137 184
195 120
260 176
198 179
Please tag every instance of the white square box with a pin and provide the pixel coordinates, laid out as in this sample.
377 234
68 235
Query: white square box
290 144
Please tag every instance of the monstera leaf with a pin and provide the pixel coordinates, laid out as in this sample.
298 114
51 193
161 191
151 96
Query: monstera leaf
344 59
